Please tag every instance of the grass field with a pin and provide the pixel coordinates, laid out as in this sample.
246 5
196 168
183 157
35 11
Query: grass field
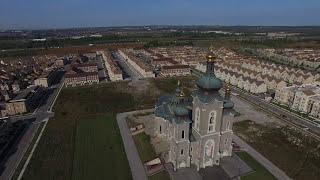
147 153
98 148
259 171
160 176
82 141
291 151
168 85
145 149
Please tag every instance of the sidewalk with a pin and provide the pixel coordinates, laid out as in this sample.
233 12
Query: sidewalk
136 166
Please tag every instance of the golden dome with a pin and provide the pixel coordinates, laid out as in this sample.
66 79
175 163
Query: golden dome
211 57
228 89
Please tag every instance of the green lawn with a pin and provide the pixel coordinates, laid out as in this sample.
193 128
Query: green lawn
144 147
296 154
147 153
168 85
83 141
259 173
160 176
98 148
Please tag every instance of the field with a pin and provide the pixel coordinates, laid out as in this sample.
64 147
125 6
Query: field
99 153
259 171
82 141
147 153
168 85
297 155
160 176
145 149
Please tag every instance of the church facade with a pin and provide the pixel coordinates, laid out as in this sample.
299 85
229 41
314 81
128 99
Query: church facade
197 128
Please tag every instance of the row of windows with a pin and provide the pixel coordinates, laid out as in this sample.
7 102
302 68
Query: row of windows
182 132
211 123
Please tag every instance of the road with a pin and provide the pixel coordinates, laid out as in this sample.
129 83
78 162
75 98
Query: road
287 116
250 112
41 113
274 170
131 71
136 166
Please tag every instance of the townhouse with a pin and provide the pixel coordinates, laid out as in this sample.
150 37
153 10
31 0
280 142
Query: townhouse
113 70
175 70
138 64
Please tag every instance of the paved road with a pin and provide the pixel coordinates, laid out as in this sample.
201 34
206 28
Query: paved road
131 71
136 166
284 115
11 163
249 112
41 113
278 173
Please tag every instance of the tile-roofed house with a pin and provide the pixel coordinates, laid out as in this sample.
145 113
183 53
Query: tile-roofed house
113 70
175 70
84 78
315 110
136 63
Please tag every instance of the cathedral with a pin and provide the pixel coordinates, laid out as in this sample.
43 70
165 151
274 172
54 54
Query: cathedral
198 129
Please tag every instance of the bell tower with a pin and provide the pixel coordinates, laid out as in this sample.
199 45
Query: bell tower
208 115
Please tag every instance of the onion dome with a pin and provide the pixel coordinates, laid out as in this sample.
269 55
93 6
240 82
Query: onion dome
211 57
209 81
178 108
227 103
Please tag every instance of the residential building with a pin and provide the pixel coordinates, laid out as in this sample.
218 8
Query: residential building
80 79
24 102
47 78
175 70
114 72
136 63
86 67
315 111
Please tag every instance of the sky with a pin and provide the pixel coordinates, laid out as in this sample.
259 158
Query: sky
43 14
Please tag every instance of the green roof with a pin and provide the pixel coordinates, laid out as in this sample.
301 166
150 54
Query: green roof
209 82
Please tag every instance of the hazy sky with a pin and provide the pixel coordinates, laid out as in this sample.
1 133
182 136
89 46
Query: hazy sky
82 13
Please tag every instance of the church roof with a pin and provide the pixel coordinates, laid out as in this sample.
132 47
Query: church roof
209 82
228 104
172 112
207 97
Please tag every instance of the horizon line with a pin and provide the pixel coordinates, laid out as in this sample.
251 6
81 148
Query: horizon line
172 25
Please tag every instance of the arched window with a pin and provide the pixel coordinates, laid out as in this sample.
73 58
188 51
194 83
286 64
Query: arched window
209 148
228 125
182 134
160 129
212 121
181 152
197 118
